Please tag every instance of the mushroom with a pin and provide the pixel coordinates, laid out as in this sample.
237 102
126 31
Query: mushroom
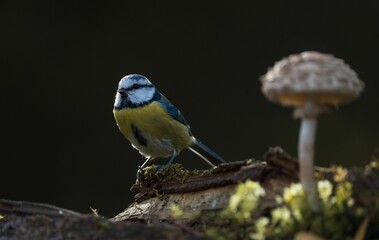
311 82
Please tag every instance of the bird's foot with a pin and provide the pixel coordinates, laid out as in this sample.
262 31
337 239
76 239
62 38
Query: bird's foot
158 169
139 173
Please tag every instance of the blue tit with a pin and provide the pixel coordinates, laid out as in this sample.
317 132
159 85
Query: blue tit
153 125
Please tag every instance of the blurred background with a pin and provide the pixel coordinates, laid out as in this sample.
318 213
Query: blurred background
61 62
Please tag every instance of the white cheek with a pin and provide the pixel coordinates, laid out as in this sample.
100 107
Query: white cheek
141 95
118 100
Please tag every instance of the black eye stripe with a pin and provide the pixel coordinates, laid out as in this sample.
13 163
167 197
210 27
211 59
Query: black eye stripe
137 86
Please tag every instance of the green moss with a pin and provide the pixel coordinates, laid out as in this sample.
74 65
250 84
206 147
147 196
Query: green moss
172 173
177 173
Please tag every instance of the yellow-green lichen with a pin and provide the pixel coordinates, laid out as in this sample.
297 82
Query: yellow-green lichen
260 229
340 216
333 221
176 211
245 200
238 215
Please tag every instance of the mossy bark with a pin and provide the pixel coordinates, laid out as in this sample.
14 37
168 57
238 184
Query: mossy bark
199 196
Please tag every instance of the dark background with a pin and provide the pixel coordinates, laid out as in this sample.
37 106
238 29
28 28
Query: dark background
61 62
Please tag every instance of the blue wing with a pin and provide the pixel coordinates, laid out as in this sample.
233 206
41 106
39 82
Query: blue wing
175 114
171 109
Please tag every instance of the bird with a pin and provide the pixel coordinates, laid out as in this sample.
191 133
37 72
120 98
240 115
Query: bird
153 125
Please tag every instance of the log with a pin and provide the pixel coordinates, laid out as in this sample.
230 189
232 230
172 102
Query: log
209 191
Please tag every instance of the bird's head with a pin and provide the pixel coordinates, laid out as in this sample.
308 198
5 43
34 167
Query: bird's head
133 91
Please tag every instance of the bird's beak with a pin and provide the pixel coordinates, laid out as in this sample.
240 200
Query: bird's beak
121 91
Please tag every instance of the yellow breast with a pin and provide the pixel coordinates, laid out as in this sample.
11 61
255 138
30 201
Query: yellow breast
153 122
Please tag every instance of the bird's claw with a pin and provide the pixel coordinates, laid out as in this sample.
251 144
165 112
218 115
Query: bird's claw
159 169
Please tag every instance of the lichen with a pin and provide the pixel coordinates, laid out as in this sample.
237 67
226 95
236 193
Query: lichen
244 201
238 213
332 222
176 211
342 215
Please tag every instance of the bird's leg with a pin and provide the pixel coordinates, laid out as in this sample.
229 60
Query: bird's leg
139 171
173 156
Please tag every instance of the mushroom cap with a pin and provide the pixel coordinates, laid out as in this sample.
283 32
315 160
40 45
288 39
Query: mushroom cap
311 76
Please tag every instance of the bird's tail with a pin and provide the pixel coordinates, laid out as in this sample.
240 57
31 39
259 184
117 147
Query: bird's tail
200 149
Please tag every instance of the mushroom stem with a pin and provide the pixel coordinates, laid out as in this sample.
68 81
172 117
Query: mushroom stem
306 158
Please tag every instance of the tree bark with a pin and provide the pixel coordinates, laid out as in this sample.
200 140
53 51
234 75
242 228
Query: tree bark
151 215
